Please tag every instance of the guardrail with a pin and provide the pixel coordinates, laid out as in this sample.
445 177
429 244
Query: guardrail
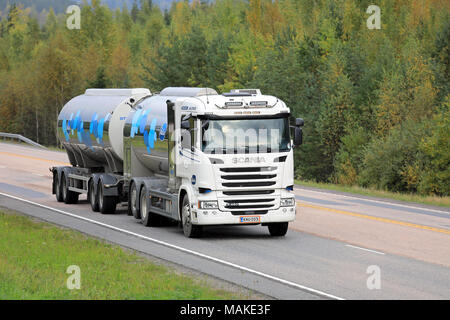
12 136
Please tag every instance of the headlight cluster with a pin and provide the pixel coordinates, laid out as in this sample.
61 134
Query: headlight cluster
208 205
287 202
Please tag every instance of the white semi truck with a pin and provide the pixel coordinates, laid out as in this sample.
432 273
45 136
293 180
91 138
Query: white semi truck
187 154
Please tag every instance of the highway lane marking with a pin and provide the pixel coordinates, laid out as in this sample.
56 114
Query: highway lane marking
195 253
33 158
365 249
402 223
378 201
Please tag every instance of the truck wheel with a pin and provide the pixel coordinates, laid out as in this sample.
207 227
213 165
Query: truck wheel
69 197
190 230
58 191
132 202
106 204
148 219
278 229
93 196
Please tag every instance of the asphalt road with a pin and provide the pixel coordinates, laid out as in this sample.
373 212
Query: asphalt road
326 254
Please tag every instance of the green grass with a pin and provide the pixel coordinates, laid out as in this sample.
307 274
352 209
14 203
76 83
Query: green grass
430 200
34 257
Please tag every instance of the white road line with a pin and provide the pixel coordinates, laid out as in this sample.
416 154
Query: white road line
195 253
373 251
377 201
37 174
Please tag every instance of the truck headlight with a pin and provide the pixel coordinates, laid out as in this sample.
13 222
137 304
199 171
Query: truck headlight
208 205
287 202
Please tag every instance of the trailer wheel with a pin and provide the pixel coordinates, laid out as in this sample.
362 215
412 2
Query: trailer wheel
93 196
69 197
149 219
190 230
132 202
106 204
278 229
58 191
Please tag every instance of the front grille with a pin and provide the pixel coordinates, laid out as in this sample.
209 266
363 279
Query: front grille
247 190
248 213
248 184
247 193
247 200
248 169
245 177
249 177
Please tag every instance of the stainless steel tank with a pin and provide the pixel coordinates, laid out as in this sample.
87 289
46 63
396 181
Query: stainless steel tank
145 136
90 127
120 130
146 128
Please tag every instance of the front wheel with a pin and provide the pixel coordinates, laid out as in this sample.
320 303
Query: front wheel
278 229
190 230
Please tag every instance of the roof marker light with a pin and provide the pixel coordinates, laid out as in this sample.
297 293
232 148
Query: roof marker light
258 103
233 104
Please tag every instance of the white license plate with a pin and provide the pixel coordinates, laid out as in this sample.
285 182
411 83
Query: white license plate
250 219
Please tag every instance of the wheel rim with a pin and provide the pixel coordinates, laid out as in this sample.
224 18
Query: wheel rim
100 196
91 193
64 188
133 198
57 187
186 219
143 206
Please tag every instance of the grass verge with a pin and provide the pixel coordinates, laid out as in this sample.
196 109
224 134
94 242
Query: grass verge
430 200
34 257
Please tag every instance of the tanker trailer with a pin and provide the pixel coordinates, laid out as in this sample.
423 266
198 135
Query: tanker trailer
187 154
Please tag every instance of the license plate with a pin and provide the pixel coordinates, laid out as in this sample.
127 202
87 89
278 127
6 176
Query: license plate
250 219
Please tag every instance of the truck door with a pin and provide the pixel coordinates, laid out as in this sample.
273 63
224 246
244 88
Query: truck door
188 144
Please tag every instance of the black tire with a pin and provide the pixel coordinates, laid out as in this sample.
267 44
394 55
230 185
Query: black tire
69 197
148 219
278 229
133 201
190 230
58 191
93 196
106 204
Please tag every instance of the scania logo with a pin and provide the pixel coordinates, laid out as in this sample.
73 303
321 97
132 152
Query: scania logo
237 160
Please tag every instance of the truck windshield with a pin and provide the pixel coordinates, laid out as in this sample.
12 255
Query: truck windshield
246 136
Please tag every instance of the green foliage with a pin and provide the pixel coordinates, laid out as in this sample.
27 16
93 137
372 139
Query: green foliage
390 162
435 173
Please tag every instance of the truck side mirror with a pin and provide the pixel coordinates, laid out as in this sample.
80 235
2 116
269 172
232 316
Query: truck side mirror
298 132
299 122
185 125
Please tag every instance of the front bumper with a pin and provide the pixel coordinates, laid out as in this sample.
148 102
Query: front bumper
217 217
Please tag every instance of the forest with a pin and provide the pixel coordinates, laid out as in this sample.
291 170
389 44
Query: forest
376 102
